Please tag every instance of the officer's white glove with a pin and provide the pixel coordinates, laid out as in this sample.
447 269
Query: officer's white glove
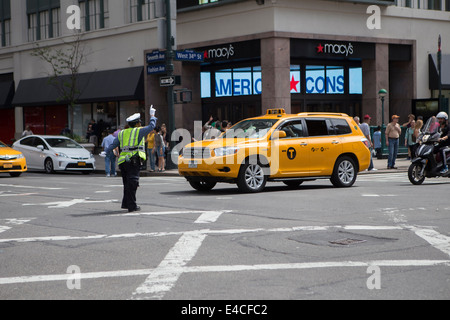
152 111
102 154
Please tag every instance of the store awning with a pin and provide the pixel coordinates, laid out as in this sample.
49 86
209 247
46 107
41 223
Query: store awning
100 86
6 94
434 74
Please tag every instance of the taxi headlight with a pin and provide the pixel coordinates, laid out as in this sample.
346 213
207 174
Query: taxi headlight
225 151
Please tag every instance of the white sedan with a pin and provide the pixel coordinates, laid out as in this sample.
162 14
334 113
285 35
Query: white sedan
55 153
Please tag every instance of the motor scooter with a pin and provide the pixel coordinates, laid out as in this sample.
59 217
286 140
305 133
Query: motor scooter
427 164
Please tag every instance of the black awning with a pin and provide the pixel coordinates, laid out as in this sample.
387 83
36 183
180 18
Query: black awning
110 85
434 74
6 94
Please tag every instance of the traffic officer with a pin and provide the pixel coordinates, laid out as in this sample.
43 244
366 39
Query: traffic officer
131 142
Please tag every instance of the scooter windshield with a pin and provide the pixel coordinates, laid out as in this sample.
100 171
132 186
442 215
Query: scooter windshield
432 126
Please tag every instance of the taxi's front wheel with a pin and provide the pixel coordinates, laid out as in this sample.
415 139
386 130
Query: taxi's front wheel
251 177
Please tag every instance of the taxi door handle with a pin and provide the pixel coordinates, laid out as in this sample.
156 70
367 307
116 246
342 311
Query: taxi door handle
303 144
335 142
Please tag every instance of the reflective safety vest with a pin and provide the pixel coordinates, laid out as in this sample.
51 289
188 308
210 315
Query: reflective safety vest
130 146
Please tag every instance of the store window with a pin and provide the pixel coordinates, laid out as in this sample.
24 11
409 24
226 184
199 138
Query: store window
46 120
141 10
315 79
95 14
232 82
435 4
5 22
205 84
43 19
295 78
355 80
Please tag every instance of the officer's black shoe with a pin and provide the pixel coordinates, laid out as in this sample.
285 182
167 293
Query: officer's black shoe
135 209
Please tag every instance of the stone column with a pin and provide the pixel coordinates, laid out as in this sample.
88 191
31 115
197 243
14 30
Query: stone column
275 65
376 77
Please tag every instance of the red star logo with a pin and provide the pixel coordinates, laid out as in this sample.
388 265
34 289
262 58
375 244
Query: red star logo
205 54
319 48
294 84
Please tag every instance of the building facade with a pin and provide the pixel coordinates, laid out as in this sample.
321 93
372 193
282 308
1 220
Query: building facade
307 55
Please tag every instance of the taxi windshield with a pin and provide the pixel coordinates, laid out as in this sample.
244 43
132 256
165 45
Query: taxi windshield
250 129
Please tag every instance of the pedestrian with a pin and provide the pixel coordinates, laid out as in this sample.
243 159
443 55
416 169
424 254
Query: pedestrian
357 120
110 158
415 137
132 151
393 132
159 148
27 132
377 142
411 119
210 130
365 128
409 141
151 150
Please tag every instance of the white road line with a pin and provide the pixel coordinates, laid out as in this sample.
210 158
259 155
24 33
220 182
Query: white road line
17 194
436 239
227 268
29 187
162 279
13 221
205 216
204 231
68 203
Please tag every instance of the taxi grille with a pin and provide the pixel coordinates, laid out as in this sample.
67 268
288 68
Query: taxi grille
197 153
12 157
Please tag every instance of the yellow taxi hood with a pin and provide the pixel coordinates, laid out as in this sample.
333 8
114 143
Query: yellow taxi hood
8 150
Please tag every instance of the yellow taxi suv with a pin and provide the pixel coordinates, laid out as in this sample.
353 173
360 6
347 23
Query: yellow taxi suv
11 161
279 147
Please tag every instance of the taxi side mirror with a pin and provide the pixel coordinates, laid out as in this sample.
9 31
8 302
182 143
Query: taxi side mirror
279 134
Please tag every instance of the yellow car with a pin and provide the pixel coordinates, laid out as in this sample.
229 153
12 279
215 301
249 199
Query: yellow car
279 147
12 161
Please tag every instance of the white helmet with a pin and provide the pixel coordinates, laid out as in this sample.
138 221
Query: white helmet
442 115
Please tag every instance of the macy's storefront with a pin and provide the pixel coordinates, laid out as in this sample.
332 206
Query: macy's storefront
241 79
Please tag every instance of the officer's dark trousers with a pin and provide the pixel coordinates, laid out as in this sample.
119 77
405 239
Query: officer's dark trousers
130 178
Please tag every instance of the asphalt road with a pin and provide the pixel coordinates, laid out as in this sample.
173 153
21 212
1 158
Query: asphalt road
64 236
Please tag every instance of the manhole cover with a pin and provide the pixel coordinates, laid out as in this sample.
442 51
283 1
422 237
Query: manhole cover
347 241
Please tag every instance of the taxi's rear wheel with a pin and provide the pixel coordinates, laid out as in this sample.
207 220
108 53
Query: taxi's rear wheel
251 177
345 173
202 185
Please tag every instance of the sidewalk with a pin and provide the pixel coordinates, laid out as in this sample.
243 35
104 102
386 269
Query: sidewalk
381 165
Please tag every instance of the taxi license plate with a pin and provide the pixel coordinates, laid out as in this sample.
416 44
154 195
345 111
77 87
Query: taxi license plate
82 164
193 164
7 165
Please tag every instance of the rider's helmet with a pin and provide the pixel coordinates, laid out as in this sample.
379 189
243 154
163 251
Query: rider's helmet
442 115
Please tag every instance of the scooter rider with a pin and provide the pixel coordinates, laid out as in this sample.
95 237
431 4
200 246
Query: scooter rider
444 141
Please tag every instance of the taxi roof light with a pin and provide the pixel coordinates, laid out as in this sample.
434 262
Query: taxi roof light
278 111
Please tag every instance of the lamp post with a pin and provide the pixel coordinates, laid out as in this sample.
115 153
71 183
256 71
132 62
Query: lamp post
439 60
170 72
382 94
